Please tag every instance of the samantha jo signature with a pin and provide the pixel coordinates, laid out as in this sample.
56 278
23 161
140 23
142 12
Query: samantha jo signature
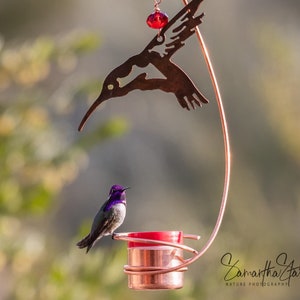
282 269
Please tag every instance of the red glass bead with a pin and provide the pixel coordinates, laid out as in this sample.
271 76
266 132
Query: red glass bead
157 20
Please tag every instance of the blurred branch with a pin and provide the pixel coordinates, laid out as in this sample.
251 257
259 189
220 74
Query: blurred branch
30 63
37 160
112 128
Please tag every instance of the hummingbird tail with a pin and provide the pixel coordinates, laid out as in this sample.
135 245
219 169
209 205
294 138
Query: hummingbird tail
86 242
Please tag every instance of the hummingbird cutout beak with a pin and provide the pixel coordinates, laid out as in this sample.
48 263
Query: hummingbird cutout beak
174 80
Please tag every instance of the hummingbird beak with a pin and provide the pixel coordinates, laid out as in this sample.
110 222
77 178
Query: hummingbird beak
102 97
126 188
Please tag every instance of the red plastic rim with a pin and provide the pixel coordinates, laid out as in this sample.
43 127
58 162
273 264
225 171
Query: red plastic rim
166 236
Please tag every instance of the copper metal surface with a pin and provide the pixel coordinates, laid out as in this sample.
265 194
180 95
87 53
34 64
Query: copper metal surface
154 258
148 266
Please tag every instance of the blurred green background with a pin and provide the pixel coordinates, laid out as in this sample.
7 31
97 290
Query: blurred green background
53 56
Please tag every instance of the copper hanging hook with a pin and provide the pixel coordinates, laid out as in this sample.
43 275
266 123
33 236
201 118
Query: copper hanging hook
181 264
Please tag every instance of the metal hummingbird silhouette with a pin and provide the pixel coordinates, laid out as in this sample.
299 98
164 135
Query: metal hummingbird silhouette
175 80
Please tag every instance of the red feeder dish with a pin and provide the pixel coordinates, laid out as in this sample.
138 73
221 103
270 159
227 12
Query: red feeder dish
157 20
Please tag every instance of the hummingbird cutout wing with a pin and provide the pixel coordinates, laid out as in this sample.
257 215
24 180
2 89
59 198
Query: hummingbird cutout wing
174 80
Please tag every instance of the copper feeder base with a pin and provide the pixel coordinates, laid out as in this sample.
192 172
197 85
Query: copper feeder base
151 255
144 260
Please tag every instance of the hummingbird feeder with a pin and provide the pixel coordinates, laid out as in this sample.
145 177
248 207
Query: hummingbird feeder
156 259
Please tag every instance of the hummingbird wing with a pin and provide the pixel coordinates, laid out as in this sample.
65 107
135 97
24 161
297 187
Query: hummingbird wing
178 32
99 225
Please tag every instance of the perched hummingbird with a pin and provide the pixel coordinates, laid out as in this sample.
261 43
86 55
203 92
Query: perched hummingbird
110 216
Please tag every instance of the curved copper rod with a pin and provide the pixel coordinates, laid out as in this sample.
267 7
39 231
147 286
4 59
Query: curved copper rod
227 162
130 270
227 165
125 237
226 145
